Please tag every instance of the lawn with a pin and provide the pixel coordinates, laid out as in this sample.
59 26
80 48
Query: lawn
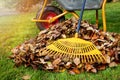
15 29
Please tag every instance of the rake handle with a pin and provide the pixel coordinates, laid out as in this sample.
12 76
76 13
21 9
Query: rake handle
81 15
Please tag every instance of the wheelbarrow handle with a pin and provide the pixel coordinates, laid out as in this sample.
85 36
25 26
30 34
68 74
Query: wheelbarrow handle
81 15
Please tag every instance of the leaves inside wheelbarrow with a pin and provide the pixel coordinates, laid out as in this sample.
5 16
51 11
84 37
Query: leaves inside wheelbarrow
30 53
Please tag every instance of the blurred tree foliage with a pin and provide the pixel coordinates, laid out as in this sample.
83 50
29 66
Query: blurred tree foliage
26 5
22 5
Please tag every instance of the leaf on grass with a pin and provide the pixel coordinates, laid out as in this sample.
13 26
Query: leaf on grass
12 56
113 64
76 71
62 70
35 67
15 50
94 70
71 72
101 67
26 77
43 31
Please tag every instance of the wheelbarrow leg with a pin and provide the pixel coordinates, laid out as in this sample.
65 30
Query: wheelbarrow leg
103 15
75 15
97 18
44 4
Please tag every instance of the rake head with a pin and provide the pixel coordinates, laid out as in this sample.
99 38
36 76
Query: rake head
72 48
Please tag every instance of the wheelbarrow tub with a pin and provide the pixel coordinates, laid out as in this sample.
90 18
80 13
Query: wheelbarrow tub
76 4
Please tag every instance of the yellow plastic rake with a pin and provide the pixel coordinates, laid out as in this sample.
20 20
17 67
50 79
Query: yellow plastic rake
71 48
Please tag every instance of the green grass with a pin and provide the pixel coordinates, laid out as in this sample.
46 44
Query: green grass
15 29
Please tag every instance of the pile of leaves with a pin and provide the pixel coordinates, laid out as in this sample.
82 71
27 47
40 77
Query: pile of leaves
30 53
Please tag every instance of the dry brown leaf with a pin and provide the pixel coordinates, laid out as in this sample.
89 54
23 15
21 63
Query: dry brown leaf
26 77
23 59
117 56
68 65
88 67
32 57
94 37
46 58
107 58
76 61
101 67
71 72
43 31
62 70
86 37
112 53
94 70
42 61
35 67
56 62
12 56
76 71
80 66
15 50
64 36
113 64
90 28
49 66
102 37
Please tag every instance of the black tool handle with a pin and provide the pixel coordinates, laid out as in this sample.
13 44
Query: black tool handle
81 15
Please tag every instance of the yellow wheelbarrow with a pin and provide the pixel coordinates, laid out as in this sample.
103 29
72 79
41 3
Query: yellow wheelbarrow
50 15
